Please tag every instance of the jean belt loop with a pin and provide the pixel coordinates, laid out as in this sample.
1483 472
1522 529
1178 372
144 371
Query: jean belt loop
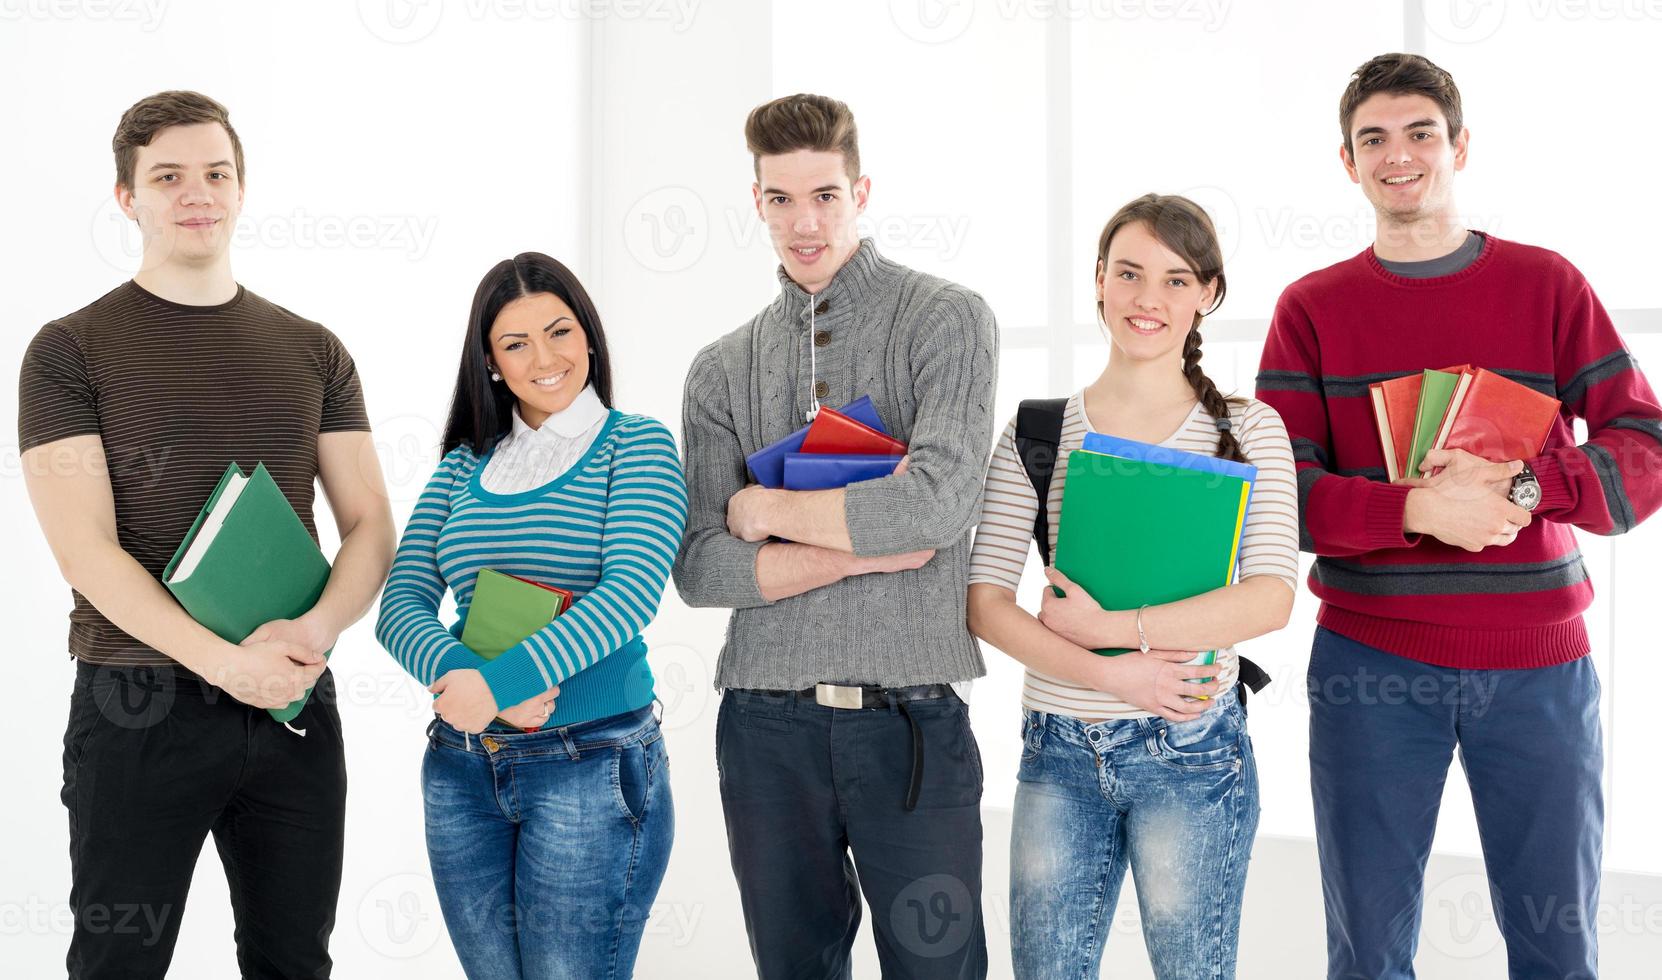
571 747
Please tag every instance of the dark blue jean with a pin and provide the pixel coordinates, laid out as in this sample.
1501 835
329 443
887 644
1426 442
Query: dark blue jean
815 801
548 848
1383 729
1175 802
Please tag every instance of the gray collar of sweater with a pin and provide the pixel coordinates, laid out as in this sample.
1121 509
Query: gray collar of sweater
863 277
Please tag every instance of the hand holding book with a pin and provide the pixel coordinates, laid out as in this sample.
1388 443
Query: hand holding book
532 713
464 700
1463 504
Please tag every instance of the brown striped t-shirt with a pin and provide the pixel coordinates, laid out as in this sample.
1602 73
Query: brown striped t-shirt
1269 539
177 393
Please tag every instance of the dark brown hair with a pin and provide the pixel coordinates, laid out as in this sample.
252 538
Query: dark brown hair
1183 226
803 122
149 116
1400 74
482 410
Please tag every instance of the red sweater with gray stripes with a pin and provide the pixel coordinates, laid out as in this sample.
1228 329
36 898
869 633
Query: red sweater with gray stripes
1522 312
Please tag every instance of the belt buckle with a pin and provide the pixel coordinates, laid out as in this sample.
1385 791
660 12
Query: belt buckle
838 696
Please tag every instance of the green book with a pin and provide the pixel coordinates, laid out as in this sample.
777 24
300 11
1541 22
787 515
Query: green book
1436 389
506 609
247 561
1137 533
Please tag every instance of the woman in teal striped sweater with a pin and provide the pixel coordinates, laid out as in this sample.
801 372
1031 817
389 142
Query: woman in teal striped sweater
546 784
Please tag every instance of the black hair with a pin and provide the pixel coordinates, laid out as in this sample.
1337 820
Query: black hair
481 410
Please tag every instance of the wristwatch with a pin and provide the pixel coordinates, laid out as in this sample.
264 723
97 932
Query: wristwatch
1526 490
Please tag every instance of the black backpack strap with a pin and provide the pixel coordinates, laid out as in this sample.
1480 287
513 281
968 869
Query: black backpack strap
1252 678
1038 433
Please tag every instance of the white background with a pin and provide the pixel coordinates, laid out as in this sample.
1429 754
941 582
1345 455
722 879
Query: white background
397 149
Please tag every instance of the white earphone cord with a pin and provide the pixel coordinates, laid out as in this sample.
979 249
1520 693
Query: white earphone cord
813 365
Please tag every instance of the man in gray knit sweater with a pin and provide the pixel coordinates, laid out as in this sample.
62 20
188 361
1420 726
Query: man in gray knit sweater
846 758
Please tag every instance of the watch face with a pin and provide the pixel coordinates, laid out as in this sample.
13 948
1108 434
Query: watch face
1527 495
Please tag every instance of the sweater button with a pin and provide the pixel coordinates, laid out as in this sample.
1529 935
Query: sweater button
824 305
822 338
821 389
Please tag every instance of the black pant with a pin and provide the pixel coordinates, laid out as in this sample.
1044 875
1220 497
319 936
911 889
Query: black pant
154 759
815 801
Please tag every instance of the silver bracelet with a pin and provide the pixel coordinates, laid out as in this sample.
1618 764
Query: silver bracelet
1142 638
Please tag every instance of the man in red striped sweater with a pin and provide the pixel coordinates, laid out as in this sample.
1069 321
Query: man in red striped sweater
1451 604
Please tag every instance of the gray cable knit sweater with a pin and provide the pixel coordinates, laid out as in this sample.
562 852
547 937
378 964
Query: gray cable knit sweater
926 351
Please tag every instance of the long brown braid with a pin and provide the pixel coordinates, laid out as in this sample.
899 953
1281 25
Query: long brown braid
1213 400
1184 227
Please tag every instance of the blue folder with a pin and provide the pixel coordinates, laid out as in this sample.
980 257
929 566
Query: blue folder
828 471
1096 442
767 464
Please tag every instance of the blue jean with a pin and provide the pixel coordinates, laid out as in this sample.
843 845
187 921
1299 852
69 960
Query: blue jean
548 848
1176 802
1383 729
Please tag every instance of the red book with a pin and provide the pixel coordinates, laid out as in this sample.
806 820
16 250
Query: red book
834 432
1498 419
1394 404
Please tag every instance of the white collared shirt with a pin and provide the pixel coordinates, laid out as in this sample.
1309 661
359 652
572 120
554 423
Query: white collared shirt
528 458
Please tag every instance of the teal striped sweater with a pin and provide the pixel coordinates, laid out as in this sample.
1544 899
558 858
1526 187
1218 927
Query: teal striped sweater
607 530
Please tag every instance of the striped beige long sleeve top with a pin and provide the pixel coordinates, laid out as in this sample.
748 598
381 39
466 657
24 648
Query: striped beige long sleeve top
1269 540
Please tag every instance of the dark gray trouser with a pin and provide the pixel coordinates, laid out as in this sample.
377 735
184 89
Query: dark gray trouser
815 804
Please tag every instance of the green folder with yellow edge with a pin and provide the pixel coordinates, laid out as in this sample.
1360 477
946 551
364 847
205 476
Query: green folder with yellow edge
1138 532
246 561
505 609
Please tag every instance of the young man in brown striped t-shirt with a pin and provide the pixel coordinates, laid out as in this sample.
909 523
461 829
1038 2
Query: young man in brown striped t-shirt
129 411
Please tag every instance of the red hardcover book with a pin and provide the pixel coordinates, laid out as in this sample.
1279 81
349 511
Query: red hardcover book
1498 419
834 432
1394 404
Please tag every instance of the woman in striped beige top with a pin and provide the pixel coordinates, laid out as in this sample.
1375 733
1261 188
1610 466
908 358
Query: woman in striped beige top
1121 765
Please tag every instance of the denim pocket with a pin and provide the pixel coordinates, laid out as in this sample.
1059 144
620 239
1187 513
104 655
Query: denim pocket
84 711
1032 737
631 780
1212 741
974 747
766 715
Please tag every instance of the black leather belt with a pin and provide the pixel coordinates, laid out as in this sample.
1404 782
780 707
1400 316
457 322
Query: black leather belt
869 695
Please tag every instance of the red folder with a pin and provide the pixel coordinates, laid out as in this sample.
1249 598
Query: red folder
1498 419
834 432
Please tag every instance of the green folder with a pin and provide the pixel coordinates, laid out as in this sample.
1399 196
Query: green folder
1436 390
246 561
1135 533
505 610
